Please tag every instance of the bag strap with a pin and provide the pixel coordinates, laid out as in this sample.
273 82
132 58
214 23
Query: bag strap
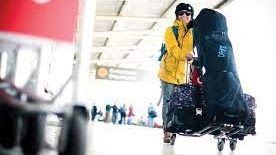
188 72
175 32
163 46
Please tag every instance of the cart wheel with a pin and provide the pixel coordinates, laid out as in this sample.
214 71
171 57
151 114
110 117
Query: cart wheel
220 144
241 138
233 143
173 137
73 139
33 133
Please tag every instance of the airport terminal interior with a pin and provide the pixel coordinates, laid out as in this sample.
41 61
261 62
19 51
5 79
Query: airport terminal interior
80 77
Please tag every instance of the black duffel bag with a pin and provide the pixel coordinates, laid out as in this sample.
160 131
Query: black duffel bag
186 111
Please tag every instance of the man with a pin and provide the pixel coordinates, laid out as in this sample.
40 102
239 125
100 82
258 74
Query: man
122 111
173 65
93 112
151 115
114 114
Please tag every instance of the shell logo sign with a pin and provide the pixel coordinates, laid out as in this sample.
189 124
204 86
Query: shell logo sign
120 74
52 19
102 72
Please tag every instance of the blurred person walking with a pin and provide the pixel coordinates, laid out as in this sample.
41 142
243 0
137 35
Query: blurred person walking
130 115
93 112
107 113
122 112
114 114
151 115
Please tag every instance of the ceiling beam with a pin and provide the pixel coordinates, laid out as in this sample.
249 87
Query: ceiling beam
144 19
128 33
123 61
222 4
125 49
122 7
157 38
122 0
163 14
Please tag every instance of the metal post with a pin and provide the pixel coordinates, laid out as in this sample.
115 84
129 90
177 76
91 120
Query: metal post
87 11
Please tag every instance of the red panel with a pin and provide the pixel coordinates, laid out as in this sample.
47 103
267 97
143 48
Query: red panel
55 19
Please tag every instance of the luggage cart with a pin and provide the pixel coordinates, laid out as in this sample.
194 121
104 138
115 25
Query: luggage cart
23 121
188 116
221 132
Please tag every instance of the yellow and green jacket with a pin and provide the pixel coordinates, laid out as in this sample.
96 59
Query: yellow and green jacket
174 63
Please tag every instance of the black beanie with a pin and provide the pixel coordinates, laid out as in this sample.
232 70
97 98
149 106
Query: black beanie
184 6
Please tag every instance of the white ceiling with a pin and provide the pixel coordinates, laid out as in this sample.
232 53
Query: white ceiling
128 33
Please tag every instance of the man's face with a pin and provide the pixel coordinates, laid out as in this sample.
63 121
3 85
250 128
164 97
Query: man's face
184 16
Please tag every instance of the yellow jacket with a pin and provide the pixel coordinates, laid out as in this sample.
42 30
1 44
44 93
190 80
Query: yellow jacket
174 63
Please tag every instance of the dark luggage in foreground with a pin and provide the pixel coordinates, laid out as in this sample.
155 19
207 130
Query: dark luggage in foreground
217 107
23 122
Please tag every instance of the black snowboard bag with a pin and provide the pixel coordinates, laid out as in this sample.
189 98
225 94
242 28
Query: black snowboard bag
224 94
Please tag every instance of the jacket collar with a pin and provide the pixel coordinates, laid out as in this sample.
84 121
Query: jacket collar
180 24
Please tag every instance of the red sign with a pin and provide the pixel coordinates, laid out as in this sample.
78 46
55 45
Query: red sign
53 19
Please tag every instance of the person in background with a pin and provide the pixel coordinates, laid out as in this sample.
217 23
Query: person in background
93 112
130 115
114 114
122 112
100 114
173 65
107 113
151 115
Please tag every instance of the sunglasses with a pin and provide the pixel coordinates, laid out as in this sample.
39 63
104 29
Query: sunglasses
181 13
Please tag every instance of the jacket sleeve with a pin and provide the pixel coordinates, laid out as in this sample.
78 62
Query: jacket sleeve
172 45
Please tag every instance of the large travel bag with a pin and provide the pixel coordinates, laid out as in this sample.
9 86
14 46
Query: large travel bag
187 108
224 94
186 111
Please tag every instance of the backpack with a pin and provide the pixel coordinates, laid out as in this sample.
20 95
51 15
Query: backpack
163 49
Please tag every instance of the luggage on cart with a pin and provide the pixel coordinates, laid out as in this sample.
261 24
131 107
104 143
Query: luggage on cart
217 106
248 127
187 109
224 94
250 121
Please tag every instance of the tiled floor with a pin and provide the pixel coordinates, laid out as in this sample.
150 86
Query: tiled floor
109 139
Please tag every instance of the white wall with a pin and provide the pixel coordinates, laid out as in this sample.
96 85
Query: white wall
252 32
